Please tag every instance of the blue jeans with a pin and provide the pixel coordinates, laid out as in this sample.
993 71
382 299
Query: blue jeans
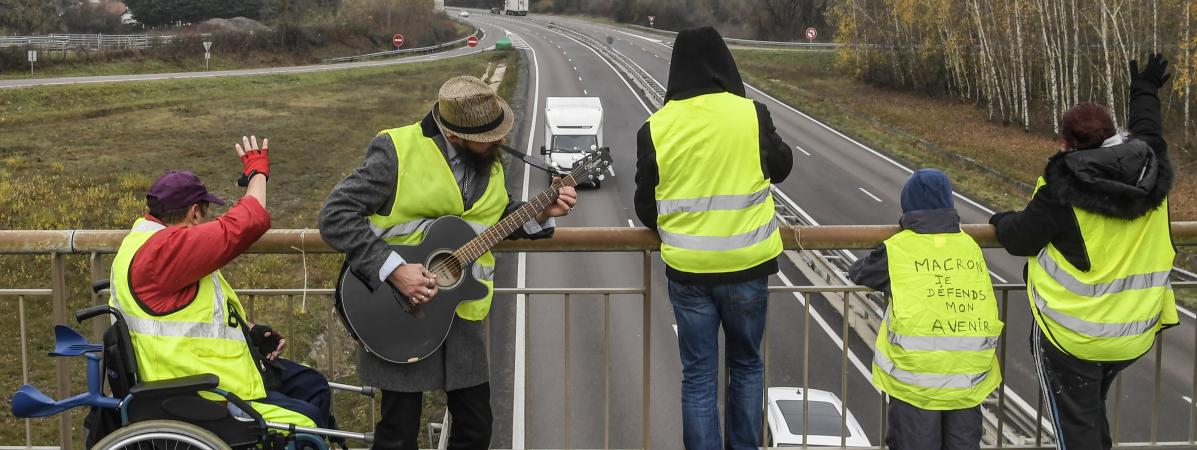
700 310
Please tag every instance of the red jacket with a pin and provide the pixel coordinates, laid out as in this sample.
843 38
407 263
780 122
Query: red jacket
166 270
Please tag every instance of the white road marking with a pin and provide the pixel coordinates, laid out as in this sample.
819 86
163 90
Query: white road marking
874 197
575 68
584 92
860 367
997 277
579 78
617 74
1187 399
631 224
521 306
804 152
675 330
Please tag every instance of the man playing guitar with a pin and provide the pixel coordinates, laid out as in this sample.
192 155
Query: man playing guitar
445 165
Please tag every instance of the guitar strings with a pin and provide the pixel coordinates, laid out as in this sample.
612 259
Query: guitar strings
455 262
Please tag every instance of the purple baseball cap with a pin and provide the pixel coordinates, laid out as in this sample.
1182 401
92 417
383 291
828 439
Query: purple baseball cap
179 189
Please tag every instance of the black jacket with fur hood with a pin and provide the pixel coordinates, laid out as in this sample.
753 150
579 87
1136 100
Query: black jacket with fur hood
1123 181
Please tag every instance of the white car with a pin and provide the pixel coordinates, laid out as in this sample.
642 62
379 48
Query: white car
784 414
464 14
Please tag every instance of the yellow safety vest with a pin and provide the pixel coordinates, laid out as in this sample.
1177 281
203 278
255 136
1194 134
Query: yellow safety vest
714 208
936 348
1112 311
200 338
427 190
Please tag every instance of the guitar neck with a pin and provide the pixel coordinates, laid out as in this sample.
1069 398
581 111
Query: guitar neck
493 235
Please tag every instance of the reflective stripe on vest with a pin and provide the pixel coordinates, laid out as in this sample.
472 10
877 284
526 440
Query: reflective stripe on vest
712 203
1096 329
929 380
940 343
193 340
426 190
936 347
711 195
1112 311
718 243
1078 287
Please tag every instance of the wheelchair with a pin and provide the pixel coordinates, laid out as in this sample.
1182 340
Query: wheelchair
163 414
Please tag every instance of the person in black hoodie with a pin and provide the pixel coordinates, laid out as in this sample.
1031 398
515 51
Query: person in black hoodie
704 164
1097 238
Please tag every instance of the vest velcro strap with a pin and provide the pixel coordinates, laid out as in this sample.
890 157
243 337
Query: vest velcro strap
929 380
943 343
1078 287
712 203
718 243
1095 329
482 273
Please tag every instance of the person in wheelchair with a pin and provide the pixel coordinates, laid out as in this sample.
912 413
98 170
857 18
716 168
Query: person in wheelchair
185 319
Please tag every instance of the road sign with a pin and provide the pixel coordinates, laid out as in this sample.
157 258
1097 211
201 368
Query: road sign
397 40
811 33
472 41
207 46
651 19
32 56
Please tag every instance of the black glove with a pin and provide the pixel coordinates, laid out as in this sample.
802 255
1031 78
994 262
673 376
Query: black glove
1155 73
264 344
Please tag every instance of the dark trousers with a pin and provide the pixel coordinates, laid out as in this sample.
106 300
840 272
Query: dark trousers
303 390
1076 391
399 426
914 428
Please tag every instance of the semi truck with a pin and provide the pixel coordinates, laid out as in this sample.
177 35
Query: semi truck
516 7
573 127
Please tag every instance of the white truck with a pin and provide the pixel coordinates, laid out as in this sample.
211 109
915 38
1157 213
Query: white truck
573 127
516 7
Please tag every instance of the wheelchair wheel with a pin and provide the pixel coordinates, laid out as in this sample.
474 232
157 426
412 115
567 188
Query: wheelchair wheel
161 435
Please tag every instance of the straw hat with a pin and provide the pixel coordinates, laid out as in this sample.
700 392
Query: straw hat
470 109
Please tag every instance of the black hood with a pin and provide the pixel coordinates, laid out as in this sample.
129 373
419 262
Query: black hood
701 65
1125 180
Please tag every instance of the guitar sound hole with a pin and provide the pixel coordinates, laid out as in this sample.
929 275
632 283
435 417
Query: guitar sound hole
447 269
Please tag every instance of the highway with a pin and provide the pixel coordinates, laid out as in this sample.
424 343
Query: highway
835 180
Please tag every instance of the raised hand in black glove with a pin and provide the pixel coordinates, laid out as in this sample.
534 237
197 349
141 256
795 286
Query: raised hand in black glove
268 342
1156 71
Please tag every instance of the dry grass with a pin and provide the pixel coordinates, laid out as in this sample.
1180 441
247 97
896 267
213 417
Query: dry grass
83 156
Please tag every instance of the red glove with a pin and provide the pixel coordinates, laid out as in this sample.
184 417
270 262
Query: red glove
254 162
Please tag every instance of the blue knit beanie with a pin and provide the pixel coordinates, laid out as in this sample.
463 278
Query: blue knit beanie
927 189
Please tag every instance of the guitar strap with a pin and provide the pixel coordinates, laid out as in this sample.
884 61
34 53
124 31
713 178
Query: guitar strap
531 162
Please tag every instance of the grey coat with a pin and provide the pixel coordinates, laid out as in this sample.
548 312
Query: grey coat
344 224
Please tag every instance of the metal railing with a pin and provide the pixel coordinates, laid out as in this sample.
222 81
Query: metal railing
749 42
90 41
478 32
96 244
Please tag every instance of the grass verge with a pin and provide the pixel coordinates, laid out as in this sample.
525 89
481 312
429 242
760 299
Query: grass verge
83 156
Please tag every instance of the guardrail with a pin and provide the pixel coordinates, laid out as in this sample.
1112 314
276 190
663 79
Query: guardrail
299 243
90 41
478 33
819 45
